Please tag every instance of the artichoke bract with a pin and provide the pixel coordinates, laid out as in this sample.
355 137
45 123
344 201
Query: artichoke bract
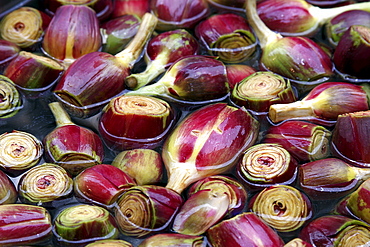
8 51
71 146
144 122
144 165
11 100
146 209
282 207
101 184
351 56
45 185
161 52
173 239
228 37
351 131
24 26
66 39
338 25
237 72
260 90
297 58
297 242
78 225
190 79
110 243
8 191
245 229
207 142
330 178
130 7
118 32
23 224
266 164
179 14
84 91
298 17
336 230
325 102
305 141
19 151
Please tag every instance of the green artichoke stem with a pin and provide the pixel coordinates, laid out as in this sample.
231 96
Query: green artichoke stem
155 89
297 109
153 69
264 34
132 52
61 116
324 14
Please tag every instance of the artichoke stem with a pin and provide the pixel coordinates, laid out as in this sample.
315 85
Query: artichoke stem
280 112
324 14
155 89
180 178
362 173
153 69
132 52
263 33
61 116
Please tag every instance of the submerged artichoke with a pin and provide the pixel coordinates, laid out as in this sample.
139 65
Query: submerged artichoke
10 99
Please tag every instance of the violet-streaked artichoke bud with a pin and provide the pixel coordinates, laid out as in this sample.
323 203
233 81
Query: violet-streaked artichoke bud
110 243
228 37
298 17
324 102
8 51
297 58
247 230
192 79
71 146
237 72
209 141
180 14
200 211
161 52
283 207
46 185
221 183
102 8
23 224
338 25
330 178
351 131
85 91
336 230
297 242
11 100
118 32
351 56
357 203
260 90
19 151
266 164
78 225
174 239
24 26
146 209
130 7
331 3
66 39
8 191
33 73
101 185
305 141
145 166
144 122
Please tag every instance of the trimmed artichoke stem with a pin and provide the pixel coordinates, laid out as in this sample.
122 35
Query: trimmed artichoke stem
154 68
132 52
61 116
325 14
263 33
280 112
